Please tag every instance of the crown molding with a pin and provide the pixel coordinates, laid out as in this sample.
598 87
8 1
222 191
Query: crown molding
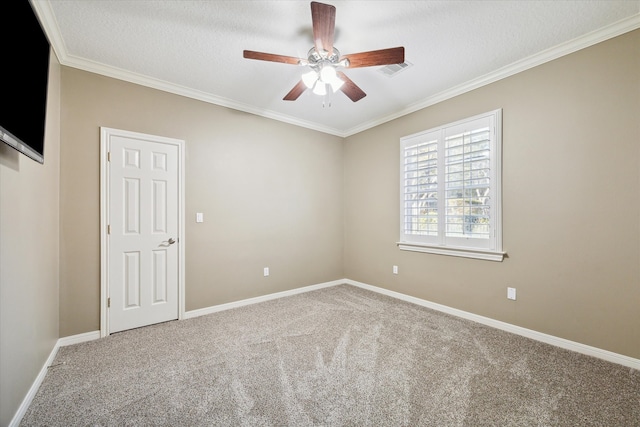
616 29
47 19
128 76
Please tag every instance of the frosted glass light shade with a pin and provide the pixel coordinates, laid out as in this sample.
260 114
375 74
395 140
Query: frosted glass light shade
327 74
320 88
336 84
310 78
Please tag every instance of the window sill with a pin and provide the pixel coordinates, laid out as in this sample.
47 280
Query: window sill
459 252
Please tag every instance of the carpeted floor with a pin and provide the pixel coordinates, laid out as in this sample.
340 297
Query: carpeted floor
340 356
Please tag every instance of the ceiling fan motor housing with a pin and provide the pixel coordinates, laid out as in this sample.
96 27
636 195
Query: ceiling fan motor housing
318 58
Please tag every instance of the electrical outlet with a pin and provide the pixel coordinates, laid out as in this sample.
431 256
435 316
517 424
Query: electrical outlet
395 269
199 217
266 271
511 293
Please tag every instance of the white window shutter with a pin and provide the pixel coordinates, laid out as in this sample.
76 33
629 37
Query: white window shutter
450 185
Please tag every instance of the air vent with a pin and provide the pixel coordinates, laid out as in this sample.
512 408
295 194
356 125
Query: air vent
393 69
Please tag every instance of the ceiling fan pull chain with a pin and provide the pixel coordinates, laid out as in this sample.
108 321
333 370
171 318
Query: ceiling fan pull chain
327 98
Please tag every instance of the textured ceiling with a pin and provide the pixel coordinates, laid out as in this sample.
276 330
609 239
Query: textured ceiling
194 48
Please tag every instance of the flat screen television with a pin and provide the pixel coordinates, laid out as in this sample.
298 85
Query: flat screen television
23 108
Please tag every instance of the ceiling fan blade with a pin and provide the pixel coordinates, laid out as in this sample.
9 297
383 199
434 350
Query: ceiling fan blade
350 88
296 91
394 55
323 17
250 54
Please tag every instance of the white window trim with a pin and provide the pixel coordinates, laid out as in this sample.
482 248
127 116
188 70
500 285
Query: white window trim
495 253
448 250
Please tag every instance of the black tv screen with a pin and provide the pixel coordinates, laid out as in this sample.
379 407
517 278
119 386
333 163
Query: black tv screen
24 75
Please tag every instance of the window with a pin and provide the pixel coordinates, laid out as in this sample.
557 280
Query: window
450 189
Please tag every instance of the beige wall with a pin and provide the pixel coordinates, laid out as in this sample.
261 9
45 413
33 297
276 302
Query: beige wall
571 202
29 239
271 194
289 198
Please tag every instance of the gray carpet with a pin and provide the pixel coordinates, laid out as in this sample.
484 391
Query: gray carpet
340 356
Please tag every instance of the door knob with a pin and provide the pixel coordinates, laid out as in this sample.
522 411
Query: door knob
171 241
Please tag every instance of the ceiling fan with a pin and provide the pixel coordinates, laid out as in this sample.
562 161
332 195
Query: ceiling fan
323 59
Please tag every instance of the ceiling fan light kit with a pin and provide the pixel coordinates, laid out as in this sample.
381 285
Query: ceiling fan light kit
323 59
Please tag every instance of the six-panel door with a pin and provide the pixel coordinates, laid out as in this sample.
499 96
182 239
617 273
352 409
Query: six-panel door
143 238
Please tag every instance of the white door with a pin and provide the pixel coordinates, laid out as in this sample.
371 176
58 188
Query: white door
143 240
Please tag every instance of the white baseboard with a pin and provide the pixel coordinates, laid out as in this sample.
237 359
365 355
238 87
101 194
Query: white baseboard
538 336
74 339
529 333
508 327
22 409
216 308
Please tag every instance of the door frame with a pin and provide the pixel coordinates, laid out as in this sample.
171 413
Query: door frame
105 134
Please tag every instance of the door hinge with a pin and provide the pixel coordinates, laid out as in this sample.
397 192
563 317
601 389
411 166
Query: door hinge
108 156
109 229
108 302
